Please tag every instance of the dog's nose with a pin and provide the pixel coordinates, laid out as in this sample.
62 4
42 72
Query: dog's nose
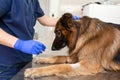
53 48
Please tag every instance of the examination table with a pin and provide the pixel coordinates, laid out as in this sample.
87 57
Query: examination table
100 76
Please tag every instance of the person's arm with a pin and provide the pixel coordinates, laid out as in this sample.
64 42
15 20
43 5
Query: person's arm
26 46
7 39
50 21
47 21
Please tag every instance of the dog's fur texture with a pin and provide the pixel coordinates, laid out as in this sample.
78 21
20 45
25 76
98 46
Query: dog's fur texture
94 46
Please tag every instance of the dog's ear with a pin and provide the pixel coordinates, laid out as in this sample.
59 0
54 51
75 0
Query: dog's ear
67 21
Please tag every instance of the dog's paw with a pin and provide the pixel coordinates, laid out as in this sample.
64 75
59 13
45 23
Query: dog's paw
32 73
43 60
40 60
28 72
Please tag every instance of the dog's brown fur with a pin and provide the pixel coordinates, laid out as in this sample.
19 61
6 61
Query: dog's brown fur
93 47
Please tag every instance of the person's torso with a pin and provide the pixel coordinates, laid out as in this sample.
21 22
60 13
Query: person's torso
19 22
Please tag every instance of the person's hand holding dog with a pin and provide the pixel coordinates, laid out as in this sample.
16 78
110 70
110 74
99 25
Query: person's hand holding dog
29 46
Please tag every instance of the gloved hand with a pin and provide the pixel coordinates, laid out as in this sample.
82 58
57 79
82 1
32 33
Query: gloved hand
29 46
76 17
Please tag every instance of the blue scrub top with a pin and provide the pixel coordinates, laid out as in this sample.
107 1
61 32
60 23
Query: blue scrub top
17 17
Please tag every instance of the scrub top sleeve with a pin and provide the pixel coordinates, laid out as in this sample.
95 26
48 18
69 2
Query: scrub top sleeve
4 6
39 10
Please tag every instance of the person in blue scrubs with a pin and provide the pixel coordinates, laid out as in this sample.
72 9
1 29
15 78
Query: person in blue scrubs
17 20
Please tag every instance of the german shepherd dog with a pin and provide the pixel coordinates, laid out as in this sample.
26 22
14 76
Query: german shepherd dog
94 46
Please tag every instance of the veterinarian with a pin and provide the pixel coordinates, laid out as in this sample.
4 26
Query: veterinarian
17 18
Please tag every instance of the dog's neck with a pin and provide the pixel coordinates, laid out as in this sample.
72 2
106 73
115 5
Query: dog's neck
77 27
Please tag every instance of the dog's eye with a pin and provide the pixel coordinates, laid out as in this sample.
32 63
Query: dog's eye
58 33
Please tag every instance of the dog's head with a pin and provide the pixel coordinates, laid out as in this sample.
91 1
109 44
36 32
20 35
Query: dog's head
63 31
66 32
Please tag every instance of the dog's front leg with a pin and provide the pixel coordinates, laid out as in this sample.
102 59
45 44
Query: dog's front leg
58 59
47 71
81 68
52 60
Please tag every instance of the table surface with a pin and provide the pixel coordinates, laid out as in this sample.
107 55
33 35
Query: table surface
100 76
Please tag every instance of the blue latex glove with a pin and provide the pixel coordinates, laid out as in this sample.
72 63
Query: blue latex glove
76 17
29 46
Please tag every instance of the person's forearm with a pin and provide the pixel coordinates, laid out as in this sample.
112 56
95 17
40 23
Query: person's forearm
48 21
26 46
7 39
